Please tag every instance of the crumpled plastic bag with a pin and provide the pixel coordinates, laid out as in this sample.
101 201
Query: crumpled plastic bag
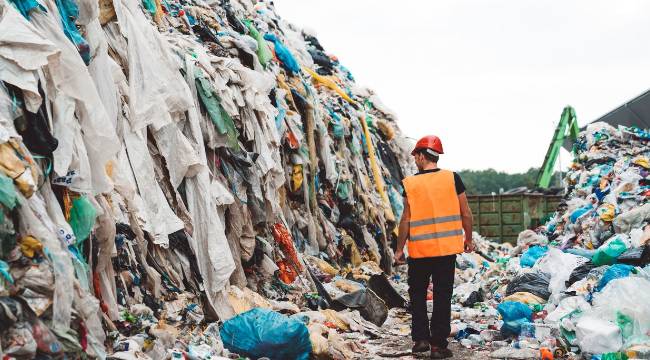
531 255
536 283
264 54
607 212
609 251
19 342
8 196
597 335
514 315
525 297
82 218
559 265
631 219
283 54
266 333
30 246
615 271
629 297
370 306
580 273
565 307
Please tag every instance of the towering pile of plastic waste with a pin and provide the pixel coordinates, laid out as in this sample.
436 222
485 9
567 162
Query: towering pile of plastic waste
165 165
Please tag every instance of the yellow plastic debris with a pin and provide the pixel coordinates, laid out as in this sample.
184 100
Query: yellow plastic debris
607 212
526 298
642 161
330 84
30 246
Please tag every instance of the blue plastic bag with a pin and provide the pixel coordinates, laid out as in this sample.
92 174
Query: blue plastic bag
514 315
531 255
262 332
283 54
576 214
616 271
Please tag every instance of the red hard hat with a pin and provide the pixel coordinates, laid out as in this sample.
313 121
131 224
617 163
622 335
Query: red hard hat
430 142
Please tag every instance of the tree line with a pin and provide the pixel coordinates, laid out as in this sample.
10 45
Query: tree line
489 180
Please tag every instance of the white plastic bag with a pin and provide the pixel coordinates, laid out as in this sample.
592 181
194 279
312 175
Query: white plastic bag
598 336
566 306
631 219
559 265
629 297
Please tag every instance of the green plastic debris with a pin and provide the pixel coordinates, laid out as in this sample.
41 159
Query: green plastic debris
614 356
608 253
536 307
264 54
343 189
625 323
8 196
150 5
212 104
129 317
82 218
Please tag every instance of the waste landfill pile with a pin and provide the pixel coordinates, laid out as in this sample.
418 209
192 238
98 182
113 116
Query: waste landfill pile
175 173
579 286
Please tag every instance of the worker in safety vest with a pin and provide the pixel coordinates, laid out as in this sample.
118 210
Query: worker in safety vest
437 222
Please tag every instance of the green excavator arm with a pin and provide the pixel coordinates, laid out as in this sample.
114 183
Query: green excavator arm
568 126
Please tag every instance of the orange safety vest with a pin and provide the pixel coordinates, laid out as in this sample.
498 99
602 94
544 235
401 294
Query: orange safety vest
436 228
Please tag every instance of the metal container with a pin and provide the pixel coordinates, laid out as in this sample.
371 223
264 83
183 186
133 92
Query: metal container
503 217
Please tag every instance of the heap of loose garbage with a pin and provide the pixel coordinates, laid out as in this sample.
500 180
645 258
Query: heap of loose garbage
173 173
580 285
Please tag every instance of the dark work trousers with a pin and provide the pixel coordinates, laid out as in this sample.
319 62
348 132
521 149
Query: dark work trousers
420 272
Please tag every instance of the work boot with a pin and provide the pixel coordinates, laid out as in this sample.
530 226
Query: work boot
420 346
440 353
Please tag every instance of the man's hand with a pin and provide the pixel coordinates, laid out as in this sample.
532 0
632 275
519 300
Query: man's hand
469 245
399 257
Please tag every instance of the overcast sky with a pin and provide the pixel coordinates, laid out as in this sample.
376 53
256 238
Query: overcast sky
489 77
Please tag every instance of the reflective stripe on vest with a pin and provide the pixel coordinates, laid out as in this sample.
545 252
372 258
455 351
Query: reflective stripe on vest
435 227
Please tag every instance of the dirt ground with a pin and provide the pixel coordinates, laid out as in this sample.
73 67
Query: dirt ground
395 342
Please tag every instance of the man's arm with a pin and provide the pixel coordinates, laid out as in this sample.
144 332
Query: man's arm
403 231
466 215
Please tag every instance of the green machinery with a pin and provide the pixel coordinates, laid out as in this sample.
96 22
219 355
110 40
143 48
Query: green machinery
504 216
567 127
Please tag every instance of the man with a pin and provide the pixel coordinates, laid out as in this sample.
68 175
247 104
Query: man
437 222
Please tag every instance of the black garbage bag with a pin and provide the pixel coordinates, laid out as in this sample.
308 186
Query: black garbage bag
234 22
580 273
11 312
535 283
313 42
370 306
473 298
323 61
33 127
636 256
380 285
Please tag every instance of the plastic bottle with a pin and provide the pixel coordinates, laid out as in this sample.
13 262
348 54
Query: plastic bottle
466 343
527 331
475 339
